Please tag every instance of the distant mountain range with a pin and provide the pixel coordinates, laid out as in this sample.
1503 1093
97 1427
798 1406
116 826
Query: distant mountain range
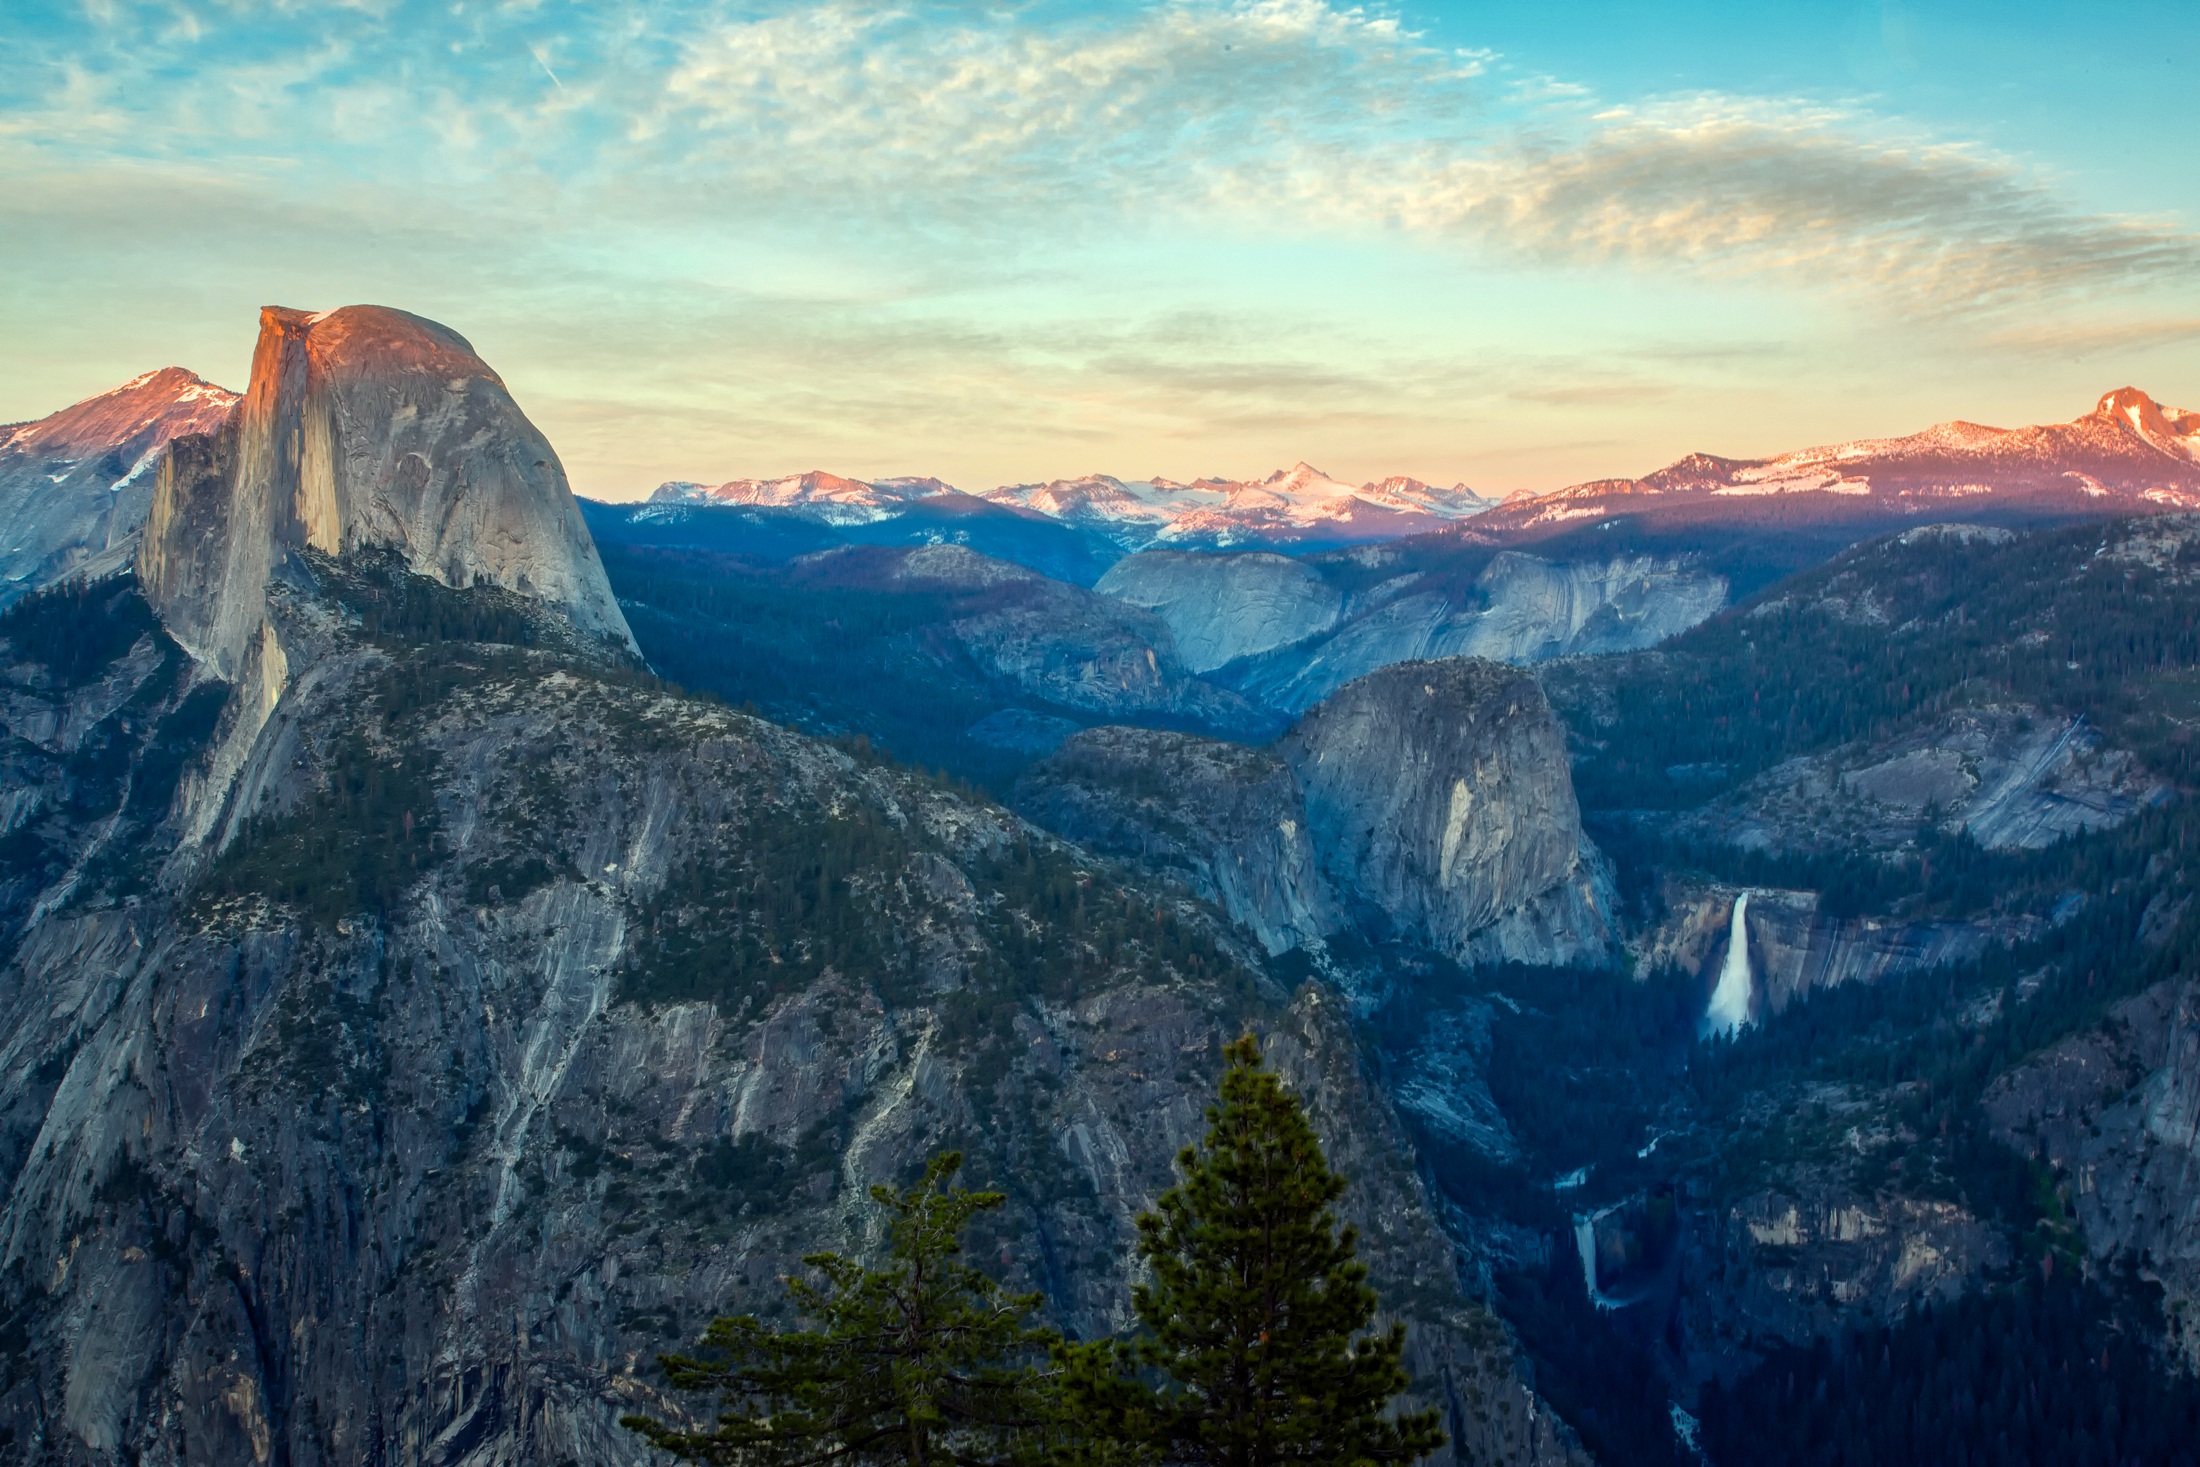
1294 506
2128 455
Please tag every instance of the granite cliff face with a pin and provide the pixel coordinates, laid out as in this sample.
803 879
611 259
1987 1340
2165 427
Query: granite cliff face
1518 608
75 487
363 428
1440 799
2115 1112
1795 946
1428 804
1224 607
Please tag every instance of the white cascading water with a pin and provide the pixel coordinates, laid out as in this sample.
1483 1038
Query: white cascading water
1729 1009
1585 1243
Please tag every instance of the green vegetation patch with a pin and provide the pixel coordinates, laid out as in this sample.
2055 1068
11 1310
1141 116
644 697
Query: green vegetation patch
1907 628
768 911
2043 1370
77 629
352 846
395 605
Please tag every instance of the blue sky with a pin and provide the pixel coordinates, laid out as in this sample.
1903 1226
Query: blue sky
1508 244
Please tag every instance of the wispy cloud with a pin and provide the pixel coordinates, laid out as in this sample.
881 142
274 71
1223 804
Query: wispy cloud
1790 189
2095 338
1291 115
1298 113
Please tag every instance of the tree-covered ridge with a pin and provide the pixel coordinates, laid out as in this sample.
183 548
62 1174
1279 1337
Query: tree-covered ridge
2100 621
75 629
828 659
2046 1369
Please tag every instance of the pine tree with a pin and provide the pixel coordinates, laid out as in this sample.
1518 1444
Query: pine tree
922 1361
1252 1354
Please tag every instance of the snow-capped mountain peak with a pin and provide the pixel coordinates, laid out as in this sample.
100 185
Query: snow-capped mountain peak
2170 429
824 496
1303 482
1297 505
2128 451
1401 492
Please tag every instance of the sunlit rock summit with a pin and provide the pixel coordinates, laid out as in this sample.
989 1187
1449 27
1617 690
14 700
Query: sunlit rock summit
364 427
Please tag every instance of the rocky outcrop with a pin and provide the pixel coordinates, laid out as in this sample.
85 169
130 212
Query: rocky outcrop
1519 609
1224 607
1430 804
2116 1112
1440 799
363 428
1223 819
75 487
1796 947
2010 776
1813 1255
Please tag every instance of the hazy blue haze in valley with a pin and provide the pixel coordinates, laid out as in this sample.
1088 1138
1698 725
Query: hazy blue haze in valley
1508 244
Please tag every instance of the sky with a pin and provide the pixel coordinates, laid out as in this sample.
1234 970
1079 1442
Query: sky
1511 245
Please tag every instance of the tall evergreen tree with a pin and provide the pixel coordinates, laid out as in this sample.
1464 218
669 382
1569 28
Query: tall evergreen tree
1252 1353
922 1361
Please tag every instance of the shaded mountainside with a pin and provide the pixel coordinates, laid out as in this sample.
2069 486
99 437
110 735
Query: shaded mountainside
979 665
75 487
535 1014
1223 819
947 657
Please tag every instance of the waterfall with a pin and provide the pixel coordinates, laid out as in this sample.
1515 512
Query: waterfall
1585 1243
1729 1009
